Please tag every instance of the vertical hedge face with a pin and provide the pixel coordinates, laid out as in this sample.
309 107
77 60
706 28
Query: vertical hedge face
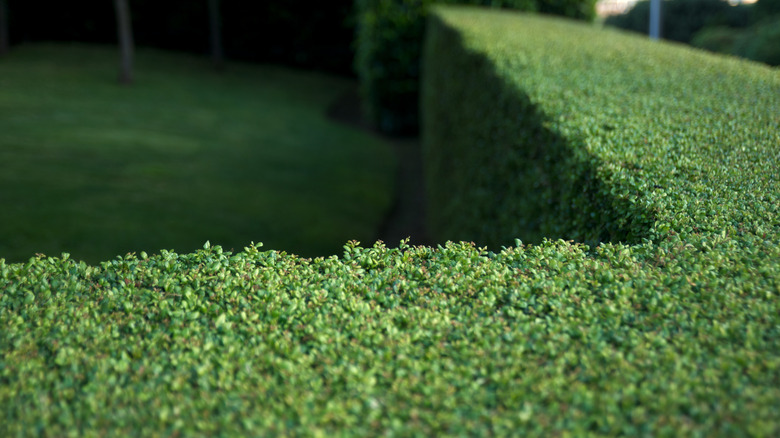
389 45
539 127
496 169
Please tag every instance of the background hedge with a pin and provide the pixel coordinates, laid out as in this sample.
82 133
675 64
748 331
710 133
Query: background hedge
301 33
746 30
388 52
682 19
759 42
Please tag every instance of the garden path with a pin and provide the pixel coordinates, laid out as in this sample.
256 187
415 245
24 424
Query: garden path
406 217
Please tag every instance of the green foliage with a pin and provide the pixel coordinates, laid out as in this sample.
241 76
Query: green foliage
676 335
681 19
184 156
388 47
530 133
761 42
301 33
766 8
533 341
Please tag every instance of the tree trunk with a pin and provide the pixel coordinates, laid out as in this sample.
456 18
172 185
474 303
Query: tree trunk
125 34
215 25
3 27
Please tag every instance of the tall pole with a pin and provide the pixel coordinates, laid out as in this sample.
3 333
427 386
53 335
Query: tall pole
125 34
655 19
215 20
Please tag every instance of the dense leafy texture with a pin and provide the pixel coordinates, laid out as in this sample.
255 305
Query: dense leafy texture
676 335
530 132
388 52
760 42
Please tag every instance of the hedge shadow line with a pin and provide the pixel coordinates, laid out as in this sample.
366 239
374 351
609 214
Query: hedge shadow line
509 174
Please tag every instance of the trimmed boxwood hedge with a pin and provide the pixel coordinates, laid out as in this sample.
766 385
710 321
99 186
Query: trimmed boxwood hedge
539 126
677 334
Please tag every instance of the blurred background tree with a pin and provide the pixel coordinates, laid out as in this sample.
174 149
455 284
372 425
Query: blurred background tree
186 155
766 8
377 40
299 33
389 45
748 30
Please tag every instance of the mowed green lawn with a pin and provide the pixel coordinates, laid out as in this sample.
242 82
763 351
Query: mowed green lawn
183 156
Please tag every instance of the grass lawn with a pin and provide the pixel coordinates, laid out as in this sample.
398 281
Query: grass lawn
183 156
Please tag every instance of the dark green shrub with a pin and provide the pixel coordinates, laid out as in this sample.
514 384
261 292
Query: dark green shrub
532 341
530 133
718 39
388 47
766 8
760 42
681 19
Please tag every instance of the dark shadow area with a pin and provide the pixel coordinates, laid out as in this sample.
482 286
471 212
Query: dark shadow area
406 217
495 169
298 33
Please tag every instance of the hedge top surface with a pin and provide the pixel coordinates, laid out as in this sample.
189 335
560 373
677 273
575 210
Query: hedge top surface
692 136
537 341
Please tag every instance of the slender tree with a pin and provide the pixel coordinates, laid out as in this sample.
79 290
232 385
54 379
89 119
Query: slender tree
215 25
3 27
125 34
